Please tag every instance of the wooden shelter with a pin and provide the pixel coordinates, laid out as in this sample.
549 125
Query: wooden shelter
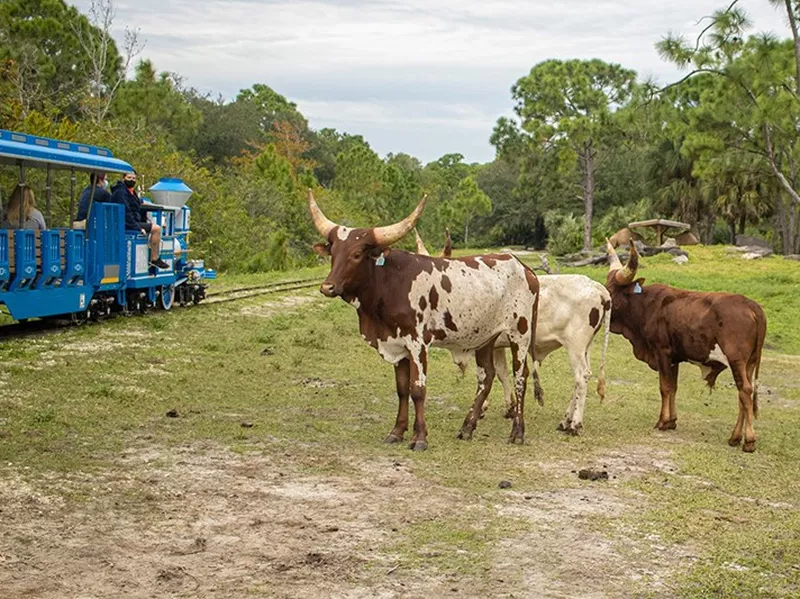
660 225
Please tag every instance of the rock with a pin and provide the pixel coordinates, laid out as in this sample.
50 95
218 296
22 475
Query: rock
505 484
792 257
247 425
687 238
751 252
669 242
173 413
747 240
589 474
680 259
623 237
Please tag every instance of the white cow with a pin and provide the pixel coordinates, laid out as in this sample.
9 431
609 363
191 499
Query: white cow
571 310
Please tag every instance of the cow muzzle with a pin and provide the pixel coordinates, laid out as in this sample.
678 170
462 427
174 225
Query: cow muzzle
328 290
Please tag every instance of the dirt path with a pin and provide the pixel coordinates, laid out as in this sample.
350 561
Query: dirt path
202 522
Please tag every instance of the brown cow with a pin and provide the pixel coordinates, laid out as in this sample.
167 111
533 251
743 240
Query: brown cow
667 326
407 303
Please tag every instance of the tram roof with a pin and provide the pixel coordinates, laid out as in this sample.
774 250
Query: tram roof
39 152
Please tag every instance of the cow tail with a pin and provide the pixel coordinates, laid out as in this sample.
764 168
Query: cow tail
538 392
601 376
761 334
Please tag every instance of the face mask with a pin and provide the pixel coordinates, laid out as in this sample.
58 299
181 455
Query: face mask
130 184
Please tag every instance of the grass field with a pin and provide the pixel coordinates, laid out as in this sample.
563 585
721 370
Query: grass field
235 451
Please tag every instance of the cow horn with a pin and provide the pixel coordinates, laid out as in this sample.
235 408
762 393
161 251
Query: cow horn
613 259
386 236
421 249
447 252
323 225
626 275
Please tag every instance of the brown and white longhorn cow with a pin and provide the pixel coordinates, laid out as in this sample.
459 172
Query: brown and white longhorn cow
667 326
572 308
407 303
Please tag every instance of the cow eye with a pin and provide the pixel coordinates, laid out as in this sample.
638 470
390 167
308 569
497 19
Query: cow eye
357 255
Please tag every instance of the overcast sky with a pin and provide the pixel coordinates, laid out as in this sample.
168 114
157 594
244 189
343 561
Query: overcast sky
426 77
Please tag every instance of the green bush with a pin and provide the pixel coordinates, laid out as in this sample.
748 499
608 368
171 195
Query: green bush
565 232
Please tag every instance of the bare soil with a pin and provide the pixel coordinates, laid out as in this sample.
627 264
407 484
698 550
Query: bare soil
203 522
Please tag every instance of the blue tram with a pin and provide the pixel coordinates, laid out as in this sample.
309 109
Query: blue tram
93 267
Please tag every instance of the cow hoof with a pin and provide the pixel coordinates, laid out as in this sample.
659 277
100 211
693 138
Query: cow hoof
392 438
734 441
418 446
465 435
509 414
564 425
749 446
516 440
666 425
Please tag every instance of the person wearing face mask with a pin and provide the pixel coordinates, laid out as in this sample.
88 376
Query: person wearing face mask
124 192
99 183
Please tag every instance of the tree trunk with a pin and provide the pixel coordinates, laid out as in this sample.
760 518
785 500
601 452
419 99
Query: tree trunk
708 229
732 227
466 232
742 223
587 164
796 38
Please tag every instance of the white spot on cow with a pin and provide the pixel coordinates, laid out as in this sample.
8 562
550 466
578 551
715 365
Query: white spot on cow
355 303
717 355
343 233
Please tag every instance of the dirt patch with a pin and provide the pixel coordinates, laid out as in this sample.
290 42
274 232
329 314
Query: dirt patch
201 521
568 555
209 523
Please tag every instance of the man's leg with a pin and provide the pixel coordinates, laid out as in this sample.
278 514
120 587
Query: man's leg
155 247
155 242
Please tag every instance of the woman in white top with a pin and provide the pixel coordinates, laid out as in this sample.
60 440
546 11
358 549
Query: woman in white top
33 219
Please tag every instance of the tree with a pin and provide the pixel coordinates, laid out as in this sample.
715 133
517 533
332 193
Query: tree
157 101
565 107
272 107
750 103
44 61
107 67
468 203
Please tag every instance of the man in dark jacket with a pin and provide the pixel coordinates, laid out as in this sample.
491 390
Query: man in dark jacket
125 192
97 181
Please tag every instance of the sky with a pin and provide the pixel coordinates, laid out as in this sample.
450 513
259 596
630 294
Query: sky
425 77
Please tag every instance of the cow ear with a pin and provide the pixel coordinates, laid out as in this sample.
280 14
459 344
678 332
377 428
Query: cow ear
378 251
640 281
322 249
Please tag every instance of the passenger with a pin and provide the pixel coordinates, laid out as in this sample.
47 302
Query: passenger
124 192
33 219
101 194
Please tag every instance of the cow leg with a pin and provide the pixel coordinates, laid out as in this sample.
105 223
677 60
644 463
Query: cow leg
668 379
402 377
419 370
485 367
746 411
573 419
519 355
501 371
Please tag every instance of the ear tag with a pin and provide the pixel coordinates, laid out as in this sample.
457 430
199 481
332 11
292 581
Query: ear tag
380 261
637 288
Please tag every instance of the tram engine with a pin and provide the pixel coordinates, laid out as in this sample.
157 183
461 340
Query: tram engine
93 267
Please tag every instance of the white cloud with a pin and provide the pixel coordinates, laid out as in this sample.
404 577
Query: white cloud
440 66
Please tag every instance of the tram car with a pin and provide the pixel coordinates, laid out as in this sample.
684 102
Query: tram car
94 267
